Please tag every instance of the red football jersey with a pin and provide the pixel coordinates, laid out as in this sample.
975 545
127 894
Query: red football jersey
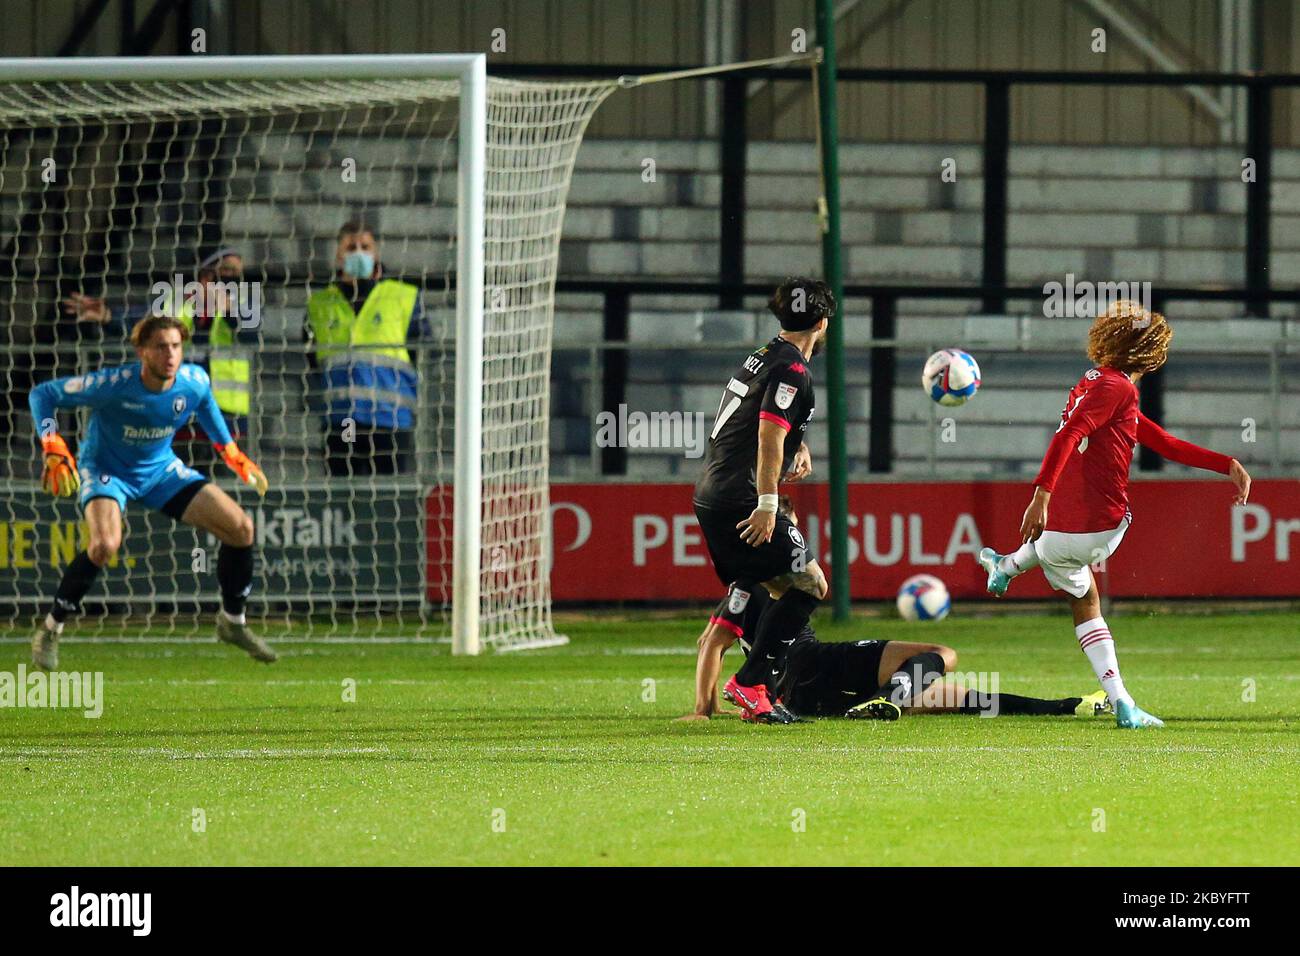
1086 467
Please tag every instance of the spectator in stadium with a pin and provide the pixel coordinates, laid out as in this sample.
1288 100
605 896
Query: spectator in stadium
219 341
222 344
357 329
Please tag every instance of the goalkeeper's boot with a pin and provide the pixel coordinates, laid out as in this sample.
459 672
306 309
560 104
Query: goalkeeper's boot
998 579
241 636
1129 716
1094 705
45 648
752 700
878 708
779 714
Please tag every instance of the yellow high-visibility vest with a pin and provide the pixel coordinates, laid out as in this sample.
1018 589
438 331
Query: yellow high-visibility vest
368 371
379 328
229 366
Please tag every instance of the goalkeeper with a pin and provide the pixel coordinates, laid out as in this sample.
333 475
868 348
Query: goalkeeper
127 456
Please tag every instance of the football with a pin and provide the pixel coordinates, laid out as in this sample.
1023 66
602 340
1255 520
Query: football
951 377
923 597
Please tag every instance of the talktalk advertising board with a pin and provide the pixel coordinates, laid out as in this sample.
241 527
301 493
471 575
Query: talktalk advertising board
640 542
310 540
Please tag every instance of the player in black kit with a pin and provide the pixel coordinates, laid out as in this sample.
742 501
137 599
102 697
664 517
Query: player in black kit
877 680
756 439
873 680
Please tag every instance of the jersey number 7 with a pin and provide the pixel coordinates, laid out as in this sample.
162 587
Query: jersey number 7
730 402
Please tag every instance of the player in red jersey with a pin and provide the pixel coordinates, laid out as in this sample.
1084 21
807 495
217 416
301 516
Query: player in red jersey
1084 478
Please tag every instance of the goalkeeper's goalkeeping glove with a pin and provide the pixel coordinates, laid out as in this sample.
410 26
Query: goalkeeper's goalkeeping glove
60 476
243 466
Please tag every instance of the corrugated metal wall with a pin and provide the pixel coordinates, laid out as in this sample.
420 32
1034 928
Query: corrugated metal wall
982 34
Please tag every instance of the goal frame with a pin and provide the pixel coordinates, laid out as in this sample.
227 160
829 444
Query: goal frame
470 71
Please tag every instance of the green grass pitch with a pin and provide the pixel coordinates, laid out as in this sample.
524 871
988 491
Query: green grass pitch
570 756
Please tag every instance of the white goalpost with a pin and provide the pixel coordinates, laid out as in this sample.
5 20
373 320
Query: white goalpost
467 491
119 173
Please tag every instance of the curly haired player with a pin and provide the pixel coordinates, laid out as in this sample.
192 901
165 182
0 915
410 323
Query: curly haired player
127 456
1084 477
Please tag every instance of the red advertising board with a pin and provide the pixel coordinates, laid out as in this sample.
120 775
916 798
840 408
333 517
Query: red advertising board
640 542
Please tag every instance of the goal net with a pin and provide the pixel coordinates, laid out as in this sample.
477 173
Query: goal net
247 202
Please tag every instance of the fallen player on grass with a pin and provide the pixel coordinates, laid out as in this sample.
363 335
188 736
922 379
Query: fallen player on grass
872 680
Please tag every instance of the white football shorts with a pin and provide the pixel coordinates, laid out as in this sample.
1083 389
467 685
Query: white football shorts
1065 557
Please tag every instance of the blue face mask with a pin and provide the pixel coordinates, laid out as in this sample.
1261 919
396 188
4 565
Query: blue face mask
358 265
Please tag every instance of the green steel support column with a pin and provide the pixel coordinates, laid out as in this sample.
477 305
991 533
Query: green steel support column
834 276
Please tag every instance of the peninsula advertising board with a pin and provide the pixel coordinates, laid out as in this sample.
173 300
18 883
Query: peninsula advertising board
641 542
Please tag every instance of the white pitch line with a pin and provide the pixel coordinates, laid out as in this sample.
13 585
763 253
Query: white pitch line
639 652
1238 678
200 640
174 754
670 749
463 678
889 749
458 679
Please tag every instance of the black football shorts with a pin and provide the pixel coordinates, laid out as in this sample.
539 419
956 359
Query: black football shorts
734 560
825 679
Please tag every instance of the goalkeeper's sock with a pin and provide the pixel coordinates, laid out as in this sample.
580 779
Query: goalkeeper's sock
235 578
1000 704
1099 647
1024 558
77 580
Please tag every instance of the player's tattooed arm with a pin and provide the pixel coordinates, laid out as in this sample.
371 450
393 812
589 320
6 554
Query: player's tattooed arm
758 527
811 580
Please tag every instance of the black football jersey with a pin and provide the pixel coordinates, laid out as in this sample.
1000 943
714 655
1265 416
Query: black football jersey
773 383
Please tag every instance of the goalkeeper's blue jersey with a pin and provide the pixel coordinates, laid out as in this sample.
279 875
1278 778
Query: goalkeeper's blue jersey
131 427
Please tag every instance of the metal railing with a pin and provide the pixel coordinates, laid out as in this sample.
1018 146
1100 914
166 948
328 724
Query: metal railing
992 292
887 336
1274 461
